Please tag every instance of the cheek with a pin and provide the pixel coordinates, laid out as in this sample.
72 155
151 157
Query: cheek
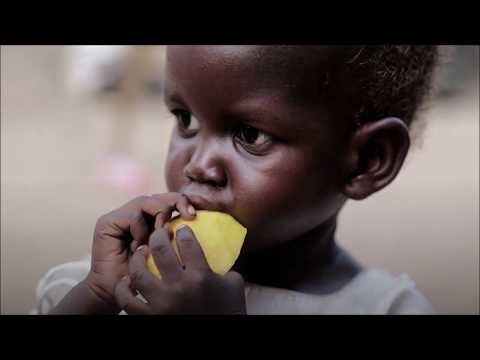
284 199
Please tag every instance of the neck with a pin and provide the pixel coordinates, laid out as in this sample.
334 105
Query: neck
291 263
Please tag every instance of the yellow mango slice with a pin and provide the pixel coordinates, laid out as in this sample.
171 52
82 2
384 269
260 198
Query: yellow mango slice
220 236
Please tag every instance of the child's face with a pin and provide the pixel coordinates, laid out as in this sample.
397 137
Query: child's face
250 143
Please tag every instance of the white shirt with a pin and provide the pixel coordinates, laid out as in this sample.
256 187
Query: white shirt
372 291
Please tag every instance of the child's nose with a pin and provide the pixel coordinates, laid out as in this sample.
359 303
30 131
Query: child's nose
206 166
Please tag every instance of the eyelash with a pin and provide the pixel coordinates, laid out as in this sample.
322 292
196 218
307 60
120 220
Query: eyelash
179 116
239 133
240 136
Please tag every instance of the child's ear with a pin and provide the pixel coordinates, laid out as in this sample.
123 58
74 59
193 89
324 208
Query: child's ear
377 153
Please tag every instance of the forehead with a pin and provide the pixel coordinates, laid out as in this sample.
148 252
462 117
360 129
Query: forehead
297 69
241 56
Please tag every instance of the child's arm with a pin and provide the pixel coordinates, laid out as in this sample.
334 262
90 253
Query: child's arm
116 235
84 300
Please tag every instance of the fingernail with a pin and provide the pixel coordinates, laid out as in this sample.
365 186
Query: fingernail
125 278
182 229
140 248
191 210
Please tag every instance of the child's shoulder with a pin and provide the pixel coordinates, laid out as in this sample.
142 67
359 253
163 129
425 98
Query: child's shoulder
57 282
371 291
386 293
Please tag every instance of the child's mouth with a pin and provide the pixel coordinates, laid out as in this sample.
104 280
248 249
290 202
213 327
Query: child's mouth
212 202
202 203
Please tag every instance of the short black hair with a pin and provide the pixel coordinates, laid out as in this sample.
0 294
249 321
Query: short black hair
392 81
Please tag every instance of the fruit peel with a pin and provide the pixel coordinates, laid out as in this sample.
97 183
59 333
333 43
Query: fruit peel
220 236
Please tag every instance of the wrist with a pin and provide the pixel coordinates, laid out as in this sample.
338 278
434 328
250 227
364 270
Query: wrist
84 300
100 297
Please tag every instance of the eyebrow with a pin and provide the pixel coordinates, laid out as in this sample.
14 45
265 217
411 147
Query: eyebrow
173 97
260 118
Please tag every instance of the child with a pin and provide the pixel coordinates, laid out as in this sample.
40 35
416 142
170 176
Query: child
280 137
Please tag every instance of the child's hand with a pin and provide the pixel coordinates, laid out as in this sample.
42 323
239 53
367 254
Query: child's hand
190 289
118 233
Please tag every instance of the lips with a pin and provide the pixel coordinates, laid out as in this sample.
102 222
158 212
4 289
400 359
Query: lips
202 203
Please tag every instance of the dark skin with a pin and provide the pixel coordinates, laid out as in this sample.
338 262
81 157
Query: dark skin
256 139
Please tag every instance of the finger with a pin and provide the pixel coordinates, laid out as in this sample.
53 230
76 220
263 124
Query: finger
126 298
186 210
171 202
112 232
155 204
164 255
235 278
124 222
141 278
134 245
190 250
139 230
130 219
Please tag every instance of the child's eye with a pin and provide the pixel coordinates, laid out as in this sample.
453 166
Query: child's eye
186 121
253 139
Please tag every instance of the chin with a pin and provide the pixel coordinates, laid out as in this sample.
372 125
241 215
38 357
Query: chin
254 244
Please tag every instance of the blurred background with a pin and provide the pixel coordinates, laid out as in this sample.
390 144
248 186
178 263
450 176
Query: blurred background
83 130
